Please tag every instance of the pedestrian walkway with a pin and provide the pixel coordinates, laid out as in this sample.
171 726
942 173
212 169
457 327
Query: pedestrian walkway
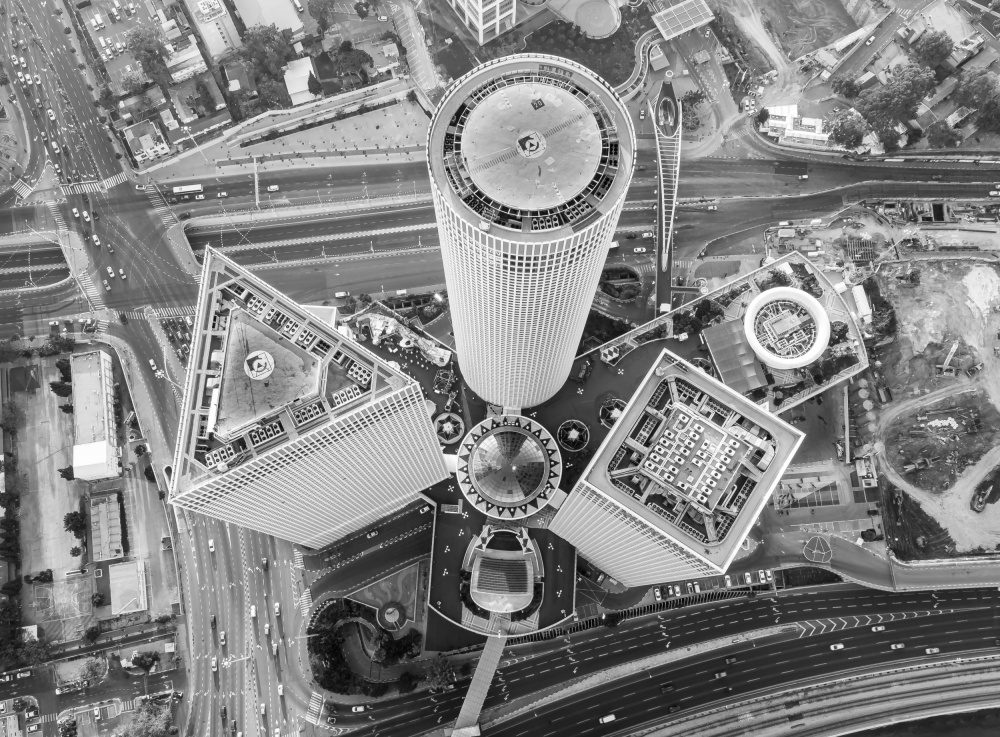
306 602
315 708
167 216
57 215
472 706
49 717
93 293
81 187
298 560
160 313
21 188
114 180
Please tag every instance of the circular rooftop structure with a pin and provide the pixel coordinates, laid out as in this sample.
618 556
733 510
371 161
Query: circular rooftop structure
531 143
508 467
786 328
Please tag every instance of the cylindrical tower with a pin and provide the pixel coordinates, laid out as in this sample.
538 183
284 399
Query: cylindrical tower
530 158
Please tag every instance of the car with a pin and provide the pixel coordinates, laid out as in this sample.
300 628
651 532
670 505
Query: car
995 193
281 689
382 18
277 609
748 578
371 534
274 647
264 563
232 727
44 135
803 176
425 509
870 41
729 582
20 78
95 239
640 249
97 713
277 732
215 665
199 196
642 114
76 213
666 687
13 59
220 195
878 628
6 678
222 712
719 674
211 542
690 589
358 709
731 660
897 646
267 628
272 188
677 590
761 577
253 614
24 64
631 236
152 365
674 708
222 637
606 719
52 115
656 593
107 287
712 208
770 576
647 234
38 80
213 622
331 720
932 650
935 177
141 187
837 646
263 708
33 727
121 273
110 249
111 272
86 216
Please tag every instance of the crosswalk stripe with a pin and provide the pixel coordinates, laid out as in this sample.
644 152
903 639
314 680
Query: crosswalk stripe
22 188
92 292
315 708
57 215
306 602
81 188
167 216
114 180
298 560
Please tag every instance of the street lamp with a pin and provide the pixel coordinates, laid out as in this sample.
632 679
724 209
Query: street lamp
187 129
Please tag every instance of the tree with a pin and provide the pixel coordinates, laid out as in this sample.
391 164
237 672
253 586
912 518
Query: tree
941 135
44 577
34 652
272 95
133 82
75 551
411 96
4 79
989 115
140 450
763 116
8 351
60 388
364 299
361 9
93 670
267 50
933 47
441 673
12 587
148 720
65 369
12 417
75 523
67 473
975 88
98 600
692 99
321 10
845 87
884 106
408 682
67 408
150 476
315 88
848 129
91 634
145 659
349 60
205 98
146 45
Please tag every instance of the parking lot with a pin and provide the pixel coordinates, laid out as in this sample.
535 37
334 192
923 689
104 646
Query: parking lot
107 31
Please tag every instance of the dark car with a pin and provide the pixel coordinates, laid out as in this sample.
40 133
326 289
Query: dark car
222 712
666 687
213 621
674 707
731 660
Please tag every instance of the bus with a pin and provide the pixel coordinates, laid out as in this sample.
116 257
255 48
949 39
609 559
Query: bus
189 189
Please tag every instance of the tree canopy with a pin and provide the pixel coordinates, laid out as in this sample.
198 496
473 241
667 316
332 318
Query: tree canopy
267 49
315 88
76 523
933 47
145 659
146 45
320 10
848 129
846 87
148 720
884 107
989 115
941 135
441 673
975 88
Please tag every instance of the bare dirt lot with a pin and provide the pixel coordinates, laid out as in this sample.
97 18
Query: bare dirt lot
805 25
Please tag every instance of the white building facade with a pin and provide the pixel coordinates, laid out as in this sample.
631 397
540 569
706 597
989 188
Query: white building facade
530 159
95 450
486 19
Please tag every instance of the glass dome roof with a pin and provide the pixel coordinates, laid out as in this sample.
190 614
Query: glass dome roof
509 465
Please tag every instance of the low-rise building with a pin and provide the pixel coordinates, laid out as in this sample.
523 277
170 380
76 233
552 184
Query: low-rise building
281 13
95 450
785 124
238 78
105 527
297 80
145 141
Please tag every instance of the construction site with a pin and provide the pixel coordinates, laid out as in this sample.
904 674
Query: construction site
930 446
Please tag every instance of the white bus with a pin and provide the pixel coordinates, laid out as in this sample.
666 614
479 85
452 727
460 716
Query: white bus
188 189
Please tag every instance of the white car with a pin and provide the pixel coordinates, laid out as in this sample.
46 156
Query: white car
24 64
152 365
642 114
639 250
897 646
281 690
121 273
86 216
995 193
878 628
38 80
13 59
215 665
657 594
76 213
211 542
761 577
253 614
20 78
267 626
729 582
870 41
222 194
263 709
199 196
932 650
277 609
95 239
837 646
803 176
107 287
748 578
647 234
358 709
770 576
713 208
141 187
111 272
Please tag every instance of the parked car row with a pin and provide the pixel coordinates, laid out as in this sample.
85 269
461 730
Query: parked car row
764 576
